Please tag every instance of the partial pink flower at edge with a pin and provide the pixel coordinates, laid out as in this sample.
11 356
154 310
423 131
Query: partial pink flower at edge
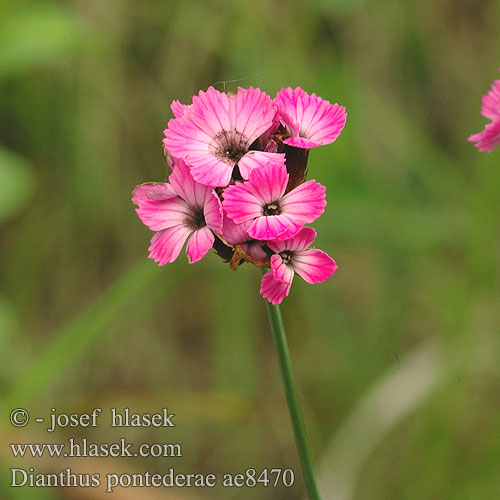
310 120
489 138
491 102
272 213
294 256
179 210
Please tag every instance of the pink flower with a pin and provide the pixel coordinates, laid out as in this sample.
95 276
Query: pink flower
214 134
310 120
239 163
177 211
489 138
272 213
294 256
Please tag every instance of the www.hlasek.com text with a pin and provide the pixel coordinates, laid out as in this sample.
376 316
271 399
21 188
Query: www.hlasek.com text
85 448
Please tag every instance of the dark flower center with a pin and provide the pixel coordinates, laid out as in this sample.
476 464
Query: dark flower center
230 146
286 255
197 219
271 209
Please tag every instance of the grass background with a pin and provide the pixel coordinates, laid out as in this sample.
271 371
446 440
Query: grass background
396 356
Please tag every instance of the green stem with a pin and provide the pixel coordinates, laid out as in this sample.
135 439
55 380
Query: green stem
299 428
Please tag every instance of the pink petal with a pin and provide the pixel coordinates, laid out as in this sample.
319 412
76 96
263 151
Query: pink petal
183 139
186 187
491 102
489 138
313 265
301 241
178 109
239 204
153 190
234 233
163 214
140 192
167 244
274 291
294 225
326 125
257 159
253 112
254 250
306 202
161 192
212 172
268 183
199 243
316 119
300 142
212 211
212 111
281 271
268 227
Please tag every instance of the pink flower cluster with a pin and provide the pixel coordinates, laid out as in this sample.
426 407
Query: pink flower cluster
238 184
489 138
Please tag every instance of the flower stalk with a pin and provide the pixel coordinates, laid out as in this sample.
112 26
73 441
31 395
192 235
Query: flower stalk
298 425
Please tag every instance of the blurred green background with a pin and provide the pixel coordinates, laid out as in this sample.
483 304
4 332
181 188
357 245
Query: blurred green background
397 356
